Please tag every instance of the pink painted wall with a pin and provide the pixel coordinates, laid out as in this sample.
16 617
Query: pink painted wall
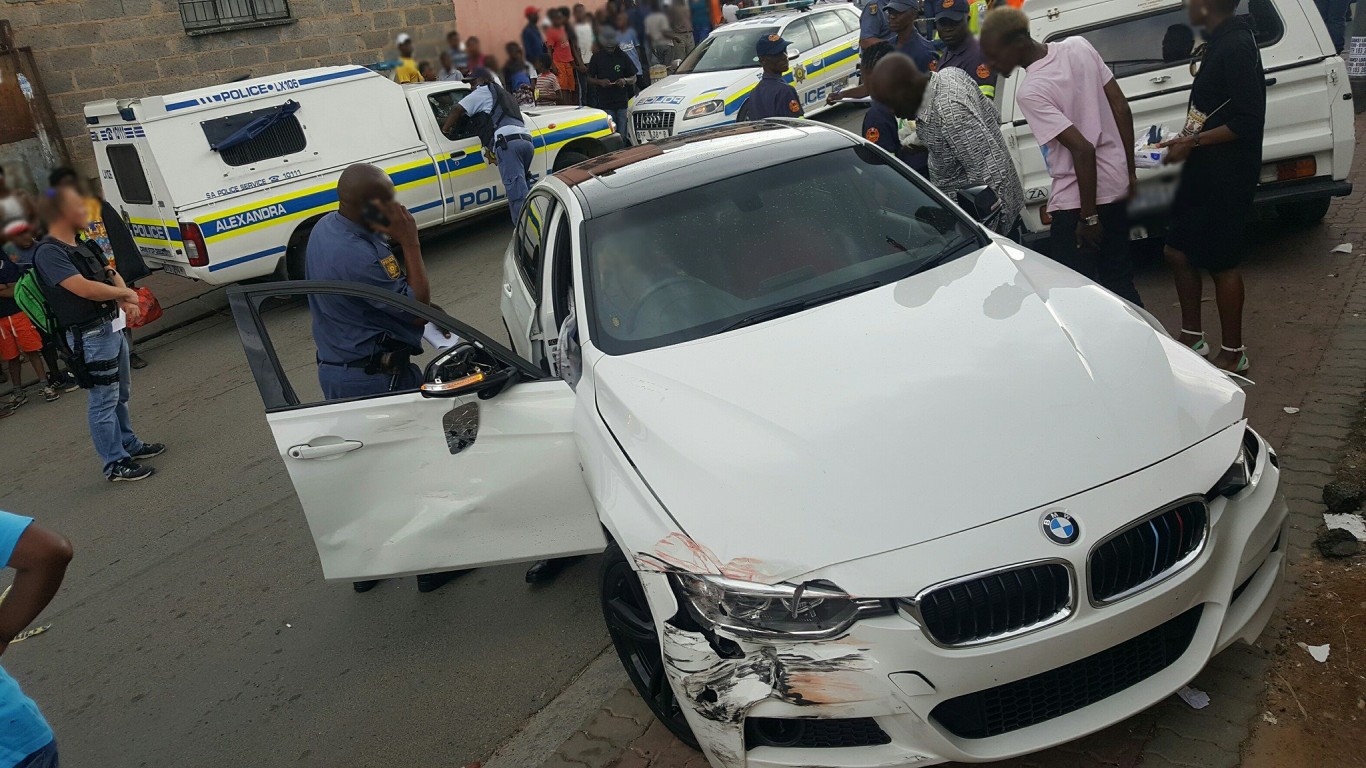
495 22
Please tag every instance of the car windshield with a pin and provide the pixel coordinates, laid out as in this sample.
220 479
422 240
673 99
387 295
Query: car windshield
726 50
756 246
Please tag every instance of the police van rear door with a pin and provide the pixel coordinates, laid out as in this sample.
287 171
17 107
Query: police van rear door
132 183
468 184
833 62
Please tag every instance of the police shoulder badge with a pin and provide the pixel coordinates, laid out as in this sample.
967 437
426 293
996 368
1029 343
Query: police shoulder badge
983 72
795 107
934 65
872 8
391 268
872 134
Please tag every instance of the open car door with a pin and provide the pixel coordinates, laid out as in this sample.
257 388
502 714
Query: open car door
477 467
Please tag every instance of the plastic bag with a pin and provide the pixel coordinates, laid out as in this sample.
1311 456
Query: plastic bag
1146 152
151 308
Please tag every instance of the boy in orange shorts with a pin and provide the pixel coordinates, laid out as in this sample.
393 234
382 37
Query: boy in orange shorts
18 338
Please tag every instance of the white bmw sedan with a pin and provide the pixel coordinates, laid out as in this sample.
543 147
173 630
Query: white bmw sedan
874 487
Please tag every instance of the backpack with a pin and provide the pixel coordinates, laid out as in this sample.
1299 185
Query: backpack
28 294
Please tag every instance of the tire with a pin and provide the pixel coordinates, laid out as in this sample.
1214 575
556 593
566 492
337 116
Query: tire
1304 213
567 158
636 640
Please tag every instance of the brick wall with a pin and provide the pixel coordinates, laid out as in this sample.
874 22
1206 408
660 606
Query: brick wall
99 49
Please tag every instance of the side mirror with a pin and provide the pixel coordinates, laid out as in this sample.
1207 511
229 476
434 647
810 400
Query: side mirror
981 203
792 52
486 385
457 371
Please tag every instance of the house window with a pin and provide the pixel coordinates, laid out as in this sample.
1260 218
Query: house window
204 16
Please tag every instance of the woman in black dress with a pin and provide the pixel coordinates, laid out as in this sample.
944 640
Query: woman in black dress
1222 149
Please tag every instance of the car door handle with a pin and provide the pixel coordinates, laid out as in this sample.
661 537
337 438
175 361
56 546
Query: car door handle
1160 79
457 155
323 451
507 290
1270 81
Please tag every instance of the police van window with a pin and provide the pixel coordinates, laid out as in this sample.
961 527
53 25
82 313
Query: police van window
261 134
1139 44
829 28
128 174
798 33
444 101
531 232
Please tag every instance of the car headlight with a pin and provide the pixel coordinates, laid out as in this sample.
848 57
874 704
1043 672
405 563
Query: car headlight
704 109
1242 473
782 611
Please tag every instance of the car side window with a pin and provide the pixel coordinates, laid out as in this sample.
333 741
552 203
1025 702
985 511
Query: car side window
531 235
849 18
442 102
828 27
1138 44
798 33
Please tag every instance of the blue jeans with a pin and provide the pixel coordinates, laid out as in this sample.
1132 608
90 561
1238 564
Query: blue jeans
111 428
620 116
514 165
43 758
1334 13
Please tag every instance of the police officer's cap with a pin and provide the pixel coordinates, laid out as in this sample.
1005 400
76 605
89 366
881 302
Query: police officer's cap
902 6
953 10
771 45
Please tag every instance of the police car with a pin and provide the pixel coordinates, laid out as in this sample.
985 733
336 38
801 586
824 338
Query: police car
874 487
711 85
224 183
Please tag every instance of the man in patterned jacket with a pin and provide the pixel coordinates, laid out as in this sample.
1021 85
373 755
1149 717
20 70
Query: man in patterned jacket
960 128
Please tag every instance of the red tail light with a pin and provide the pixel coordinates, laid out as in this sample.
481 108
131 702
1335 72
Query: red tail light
195 249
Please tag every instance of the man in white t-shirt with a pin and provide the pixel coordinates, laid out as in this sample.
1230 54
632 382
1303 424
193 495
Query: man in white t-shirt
1082 121
730 13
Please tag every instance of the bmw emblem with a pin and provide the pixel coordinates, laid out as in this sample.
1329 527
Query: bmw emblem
1059 527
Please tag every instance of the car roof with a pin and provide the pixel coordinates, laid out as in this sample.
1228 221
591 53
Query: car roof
633 176
776 16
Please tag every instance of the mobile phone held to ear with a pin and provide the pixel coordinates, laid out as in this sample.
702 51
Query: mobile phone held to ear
372 214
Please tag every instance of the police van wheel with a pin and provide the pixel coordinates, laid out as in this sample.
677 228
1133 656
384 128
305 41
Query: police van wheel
1304 213
293 262
566 159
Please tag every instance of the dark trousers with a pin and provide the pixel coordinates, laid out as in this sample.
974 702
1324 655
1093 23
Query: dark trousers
1110 265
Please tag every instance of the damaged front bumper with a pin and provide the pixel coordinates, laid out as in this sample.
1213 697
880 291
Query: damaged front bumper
884 694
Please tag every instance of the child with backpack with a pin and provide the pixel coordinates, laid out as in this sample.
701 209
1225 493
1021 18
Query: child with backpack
19 339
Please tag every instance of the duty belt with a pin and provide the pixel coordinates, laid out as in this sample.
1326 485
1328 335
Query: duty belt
82 328
502 141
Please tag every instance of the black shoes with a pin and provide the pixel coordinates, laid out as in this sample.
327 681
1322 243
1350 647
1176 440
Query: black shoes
128 471
428 582
135 362
542 571
148 450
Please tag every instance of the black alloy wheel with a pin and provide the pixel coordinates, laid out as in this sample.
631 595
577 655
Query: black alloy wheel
633 632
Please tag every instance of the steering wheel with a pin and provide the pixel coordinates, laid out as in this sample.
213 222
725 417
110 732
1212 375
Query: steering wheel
683 296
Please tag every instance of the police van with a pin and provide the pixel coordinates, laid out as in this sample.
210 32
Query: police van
224 184
1152 50
711 86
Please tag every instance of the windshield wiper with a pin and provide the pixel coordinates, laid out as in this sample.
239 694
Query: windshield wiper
949 250
797 305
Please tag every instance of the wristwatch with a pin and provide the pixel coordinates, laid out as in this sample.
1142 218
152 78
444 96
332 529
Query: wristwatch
1197 138
1092 221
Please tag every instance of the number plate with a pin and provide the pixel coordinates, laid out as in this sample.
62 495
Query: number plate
175 269
653 135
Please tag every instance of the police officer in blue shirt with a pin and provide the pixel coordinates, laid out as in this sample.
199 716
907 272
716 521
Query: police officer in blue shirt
773 96
873 26
901 16
880 124
961 49
364 347
493 115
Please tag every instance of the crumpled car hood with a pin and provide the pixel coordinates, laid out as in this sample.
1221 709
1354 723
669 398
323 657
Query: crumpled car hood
987 387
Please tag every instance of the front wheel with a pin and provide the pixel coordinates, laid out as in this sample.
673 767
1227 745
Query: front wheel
633 632
1304 213
568 158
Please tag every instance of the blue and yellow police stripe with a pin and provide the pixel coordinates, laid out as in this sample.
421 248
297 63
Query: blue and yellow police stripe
814 68
300 204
